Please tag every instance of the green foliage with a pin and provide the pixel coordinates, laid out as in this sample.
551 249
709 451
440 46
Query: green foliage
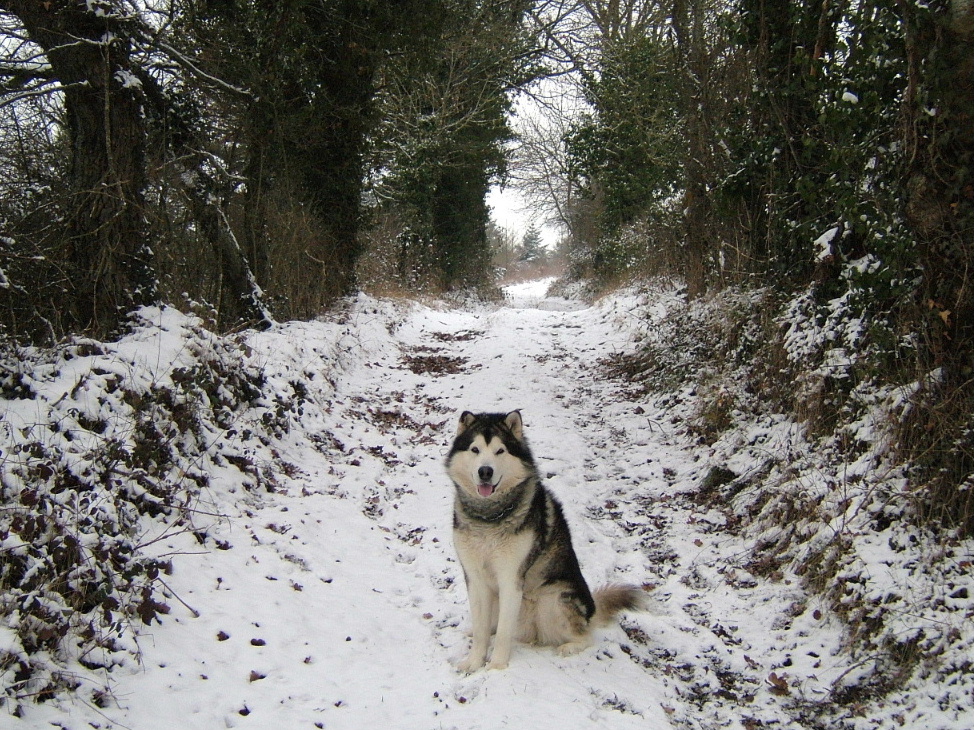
818 143
273 131
531 248
629 153
772 122
439 146
313 68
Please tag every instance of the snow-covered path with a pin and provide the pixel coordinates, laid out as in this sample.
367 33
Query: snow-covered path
330 597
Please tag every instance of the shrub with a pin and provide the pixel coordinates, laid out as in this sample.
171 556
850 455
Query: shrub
100 443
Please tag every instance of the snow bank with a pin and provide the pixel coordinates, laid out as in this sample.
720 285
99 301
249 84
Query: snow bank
255 529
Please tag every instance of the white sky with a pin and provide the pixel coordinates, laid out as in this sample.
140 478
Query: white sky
509 210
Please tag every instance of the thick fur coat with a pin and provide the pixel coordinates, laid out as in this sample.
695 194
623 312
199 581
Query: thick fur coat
523 578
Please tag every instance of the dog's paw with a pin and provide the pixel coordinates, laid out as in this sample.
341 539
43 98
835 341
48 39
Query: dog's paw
497 664
573 647
470 664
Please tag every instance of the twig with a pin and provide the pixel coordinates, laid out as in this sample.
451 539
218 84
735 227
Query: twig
196 614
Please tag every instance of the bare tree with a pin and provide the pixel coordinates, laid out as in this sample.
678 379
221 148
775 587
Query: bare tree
625 21
541 168
576 33
102 71
87 49
576 36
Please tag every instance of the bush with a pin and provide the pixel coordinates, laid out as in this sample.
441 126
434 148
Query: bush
101 449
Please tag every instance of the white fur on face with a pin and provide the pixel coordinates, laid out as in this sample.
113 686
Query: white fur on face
507 471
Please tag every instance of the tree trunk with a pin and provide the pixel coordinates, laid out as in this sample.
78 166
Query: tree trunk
107 254
687 25
241 302
241 299
256 172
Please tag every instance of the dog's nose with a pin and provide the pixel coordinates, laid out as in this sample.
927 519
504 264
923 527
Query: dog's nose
486 473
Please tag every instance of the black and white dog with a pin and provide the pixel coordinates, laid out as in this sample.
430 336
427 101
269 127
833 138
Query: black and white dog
523 579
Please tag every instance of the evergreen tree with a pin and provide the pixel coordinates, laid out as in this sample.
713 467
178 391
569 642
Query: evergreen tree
628 151
532 250
314 67
444 109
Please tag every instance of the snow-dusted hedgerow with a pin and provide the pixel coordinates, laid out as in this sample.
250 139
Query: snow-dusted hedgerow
799 408
108 449
104 446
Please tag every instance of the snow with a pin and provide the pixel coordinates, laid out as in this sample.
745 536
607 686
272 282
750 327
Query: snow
127 80
326 592
823 244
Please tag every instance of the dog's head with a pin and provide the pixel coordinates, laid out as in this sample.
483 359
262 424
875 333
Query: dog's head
489 454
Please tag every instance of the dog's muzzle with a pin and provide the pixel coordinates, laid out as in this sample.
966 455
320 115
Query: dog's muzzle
486 475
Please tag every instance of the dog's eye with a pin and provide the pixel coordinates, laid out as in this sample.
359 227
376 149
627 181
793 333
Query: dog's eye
500 451
475 450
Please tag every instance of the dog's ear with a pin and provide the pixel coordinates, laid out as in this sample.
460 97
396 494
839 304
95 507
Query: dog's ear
515 424
466 421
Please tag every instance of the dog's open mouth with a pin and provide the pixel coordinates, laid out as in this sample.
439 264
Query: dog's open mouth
485 489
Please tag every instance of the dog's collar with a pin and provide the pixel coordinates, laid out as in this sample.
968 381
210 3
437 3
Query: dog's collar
470 509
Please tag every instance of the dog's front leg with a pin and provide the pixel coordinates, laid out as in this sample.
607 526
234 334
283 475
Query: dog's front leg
509 610
481 600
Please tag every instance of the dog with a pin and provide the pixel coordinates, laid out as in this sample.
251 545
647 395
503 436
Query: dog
523 578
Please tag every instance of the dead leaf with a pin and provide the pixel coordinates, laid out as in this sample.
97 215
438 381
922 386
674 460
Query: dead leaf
779 685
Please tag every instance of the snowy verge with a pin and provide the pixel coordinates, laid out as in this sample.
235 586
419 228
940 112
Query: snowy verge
786 403
106 449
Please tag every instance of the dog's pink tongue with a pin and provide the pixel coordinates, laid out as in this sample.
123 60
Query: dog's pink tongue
485 489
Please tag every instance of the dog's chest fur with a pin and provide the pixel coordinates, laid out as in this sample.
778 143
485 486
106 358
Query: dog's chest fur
517 545
488 553
486 546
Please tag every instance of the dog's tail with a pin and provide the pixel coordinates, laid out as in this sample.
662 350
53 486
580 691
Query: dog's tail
615 598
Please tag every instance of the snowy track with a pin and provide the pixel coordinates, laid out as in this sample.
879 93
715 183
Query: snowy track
329 596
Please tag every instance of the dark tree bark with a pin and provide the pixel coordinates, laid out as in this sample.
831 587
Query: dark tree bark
107 253
241 301
688 27
258 136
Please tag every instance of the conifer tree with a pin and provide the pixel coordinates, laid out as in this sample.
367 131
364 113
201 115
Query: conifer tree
531 246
